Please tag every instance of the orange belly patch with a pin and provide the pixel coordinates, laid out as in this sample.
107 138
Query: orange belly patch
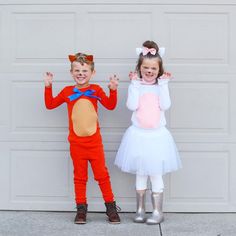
84 118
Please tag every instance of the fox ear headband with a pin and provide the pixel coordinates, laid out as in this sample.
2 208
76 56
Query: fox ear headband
73 58
153 51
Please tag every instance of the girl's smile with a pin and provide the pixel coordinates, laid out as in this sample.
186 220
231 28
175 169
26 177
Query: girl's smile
149 70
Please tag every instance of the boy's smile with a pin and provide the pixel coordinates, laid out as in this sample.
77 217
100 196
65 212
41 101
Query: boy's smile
81 74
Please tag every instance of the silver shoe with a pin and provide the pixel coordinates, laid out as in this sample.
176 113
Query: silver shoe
140 213
157 215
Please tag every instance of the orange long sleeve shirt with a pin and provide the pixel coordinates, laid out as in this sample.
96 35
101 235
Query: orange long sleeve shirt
82 112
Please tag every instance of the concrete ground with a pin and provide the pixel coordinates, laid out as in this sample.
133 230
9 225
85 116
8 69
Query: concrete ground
28 223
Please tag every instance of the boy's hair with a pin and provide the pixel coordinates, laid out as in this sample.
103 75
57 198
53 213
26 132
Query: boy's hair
83 59
150 44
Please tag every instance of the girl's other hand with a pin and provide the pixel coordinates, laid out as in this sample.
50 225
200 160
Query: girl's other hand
133 75
166 75
48 79
114 81
165 78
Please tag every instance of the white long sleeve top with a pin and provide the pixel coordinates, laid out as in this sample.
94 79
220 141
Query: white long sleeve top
148 103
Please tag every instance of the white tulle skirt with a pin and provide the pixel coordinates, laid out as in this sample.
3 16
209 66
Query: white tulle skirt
147 152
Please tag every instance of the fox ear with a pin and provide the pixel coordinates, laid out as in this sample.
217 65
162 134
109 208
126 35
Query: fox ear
72 58
89 58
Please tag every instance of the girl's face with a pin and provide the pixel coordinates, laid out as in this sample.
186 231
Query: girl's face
81 74
149 70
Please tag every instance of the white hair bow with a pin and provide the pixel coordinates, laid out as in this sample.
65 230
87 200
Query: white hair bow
145 51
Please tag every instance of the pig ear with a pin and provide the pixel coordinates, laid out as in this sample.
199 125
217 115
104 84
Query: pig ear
72 58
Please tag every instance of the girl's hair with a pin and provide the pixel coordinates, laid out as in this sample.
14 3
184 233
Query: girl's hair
83 59
150 44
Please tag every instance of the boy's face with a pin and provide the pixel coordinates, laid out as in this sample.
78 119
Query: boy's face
81 74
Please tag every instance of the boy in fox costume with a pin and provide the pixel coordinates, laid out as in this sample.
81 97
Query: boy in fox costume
84 131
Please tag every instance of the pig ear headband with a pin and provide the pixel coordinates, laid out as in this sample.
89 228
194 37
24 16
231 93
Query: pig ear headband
73 58
153 51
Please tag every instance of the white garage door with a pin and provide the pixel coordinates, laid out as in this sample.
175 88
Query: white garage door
35 167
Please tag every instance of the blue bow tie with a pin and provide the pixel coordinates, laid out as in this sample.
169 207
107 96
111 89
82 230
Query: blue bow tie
78 93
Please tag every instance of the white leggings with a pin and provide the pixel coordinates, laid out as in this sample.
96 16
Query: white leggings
156 182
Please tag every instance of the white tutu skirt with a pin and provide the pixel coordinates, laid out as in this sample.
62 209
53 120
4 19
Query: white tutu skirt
147 152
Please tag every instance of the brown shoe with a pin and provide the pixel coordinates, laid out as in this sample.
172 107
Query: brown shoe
80 217
111 212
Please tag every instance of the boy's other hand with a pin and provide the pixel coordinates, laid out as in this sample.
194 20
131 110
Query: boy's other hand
114 81
48 79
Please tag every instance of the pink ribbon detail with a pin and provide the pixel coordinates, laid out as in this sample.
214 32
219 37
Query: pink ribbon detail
149 50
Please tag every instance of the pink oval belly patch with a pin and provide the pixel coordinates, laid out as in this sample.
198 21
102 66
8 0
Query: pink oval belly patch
148 113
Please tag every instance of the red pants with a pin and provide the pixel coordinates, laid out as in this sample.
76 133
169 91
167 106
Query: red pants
81 154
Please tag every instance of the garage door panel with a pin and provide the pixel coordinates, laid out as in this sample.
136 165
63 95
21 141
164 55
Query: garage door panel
205 104
28 99
117 26
30 182
35 35
198 182
205 181
195 39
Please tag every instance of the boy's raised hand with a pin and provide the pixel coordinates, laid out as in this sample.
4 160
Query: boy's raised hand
48 79
114 81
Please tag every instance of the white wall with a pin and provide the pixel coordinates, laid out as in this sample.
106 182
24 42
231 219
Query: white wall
37 36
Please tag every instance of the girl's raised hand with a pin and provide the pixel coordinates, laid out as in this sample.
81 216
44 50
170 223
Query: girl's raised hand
114 81
48 79
165 78
133 75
